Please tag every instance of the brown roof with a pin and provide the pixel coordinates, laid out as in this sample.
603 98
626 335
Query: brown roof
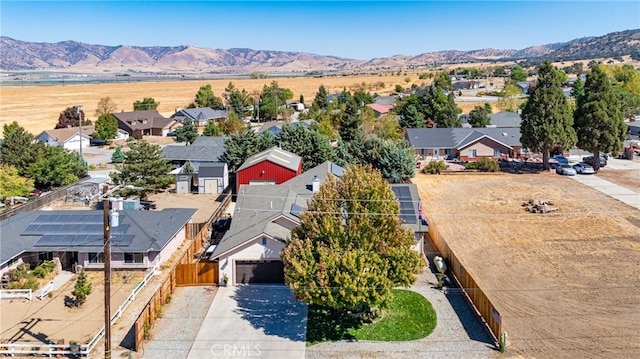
62 135
143 119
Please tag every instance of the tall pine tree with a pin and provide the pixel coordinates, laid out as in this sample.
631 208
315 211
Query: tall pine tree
144 167
599 121
547 120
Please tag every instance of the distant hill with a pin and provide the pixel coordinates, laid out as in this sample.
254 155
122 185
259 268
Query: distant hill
73 56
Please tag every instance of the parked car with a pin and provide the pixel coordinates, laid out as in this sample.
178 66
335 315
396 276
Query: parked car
223 224
589 160
584 168
565 170
560 159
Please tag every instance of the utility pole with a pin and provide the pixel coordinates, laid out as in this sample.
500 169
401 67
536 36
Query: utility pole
79 110
107 276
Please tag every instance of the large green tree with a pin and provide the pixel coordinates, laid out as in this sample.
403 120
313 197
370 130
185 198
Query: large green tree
599 121
206 98
518 73
272 99
238 147
547 120
440 108
397 161
19 147
350 248
443 81
106 127
212 129
12 184
309 144
144 167
118 156
56 166
188 132
409 115
479 116
147 103
321 100
578 88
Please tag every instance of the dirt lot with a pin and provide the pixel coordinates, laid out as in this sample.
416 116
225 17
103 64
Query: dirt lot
37 108
567 283
205 204
50 320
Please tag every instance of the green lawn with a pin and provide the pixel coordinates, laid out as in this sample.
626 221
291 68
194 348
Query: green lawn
409 317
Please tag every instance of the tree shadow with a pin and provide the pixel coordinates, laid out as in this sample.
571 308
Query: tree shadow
69 302
273 309
325 324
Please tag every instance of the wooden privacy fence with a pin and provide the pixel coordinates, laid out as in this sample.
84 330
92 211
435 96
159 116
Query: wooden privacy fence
200 273
472 291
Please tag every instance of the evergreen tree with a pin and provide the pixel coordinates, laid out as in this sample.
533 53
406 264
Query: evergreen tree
350 248
82 289
599 121
397 161
212 129
546 118
266 140
440 108
443 81
206 98
238 147
479 116
71 118
144 167
321 100
106 127
118 156
350 122
188 132
409 113
518 73
578 88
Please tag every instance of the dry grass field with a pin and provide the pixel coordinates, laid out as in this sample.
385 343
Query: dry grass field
567 283
37 108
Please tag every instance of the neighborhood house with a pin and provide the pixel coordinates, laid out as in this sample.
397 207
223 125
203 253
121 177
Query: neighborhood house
147 122
141 240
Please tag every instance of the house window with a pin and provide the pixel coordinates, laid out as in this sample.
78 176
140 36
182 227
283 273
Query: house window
497 154
264 241
133 258
45 256
447 151
472 153
96 257
423 151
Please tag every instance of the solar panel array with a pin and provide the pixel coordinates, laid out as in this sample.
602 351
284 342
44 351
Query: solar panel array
407 210
66 230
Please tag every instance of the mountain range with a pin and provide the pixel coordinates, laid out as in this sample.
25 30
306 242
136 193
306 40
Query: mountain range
73 56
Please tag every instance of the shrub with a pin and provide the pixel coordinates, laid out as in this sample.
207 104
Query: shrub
82 288
483 165
434 167
44 269
31 283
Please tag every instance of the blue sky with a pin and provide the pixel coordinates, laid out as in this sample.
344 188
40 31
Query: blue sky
359 29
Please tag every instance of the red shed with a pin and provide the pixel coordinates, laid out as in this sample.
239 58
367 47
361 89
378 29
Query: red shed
272 166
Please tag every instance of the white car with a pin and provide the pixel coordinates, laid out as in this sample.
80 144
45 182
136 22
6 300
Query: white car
584 168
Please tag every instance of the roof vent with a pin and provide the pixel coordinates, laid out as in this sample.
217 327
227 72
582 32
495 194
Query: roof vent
505 134
315 185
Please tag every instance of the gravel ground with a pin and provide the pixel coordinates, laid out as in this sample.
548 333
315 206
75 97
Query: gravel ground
458 334
174 333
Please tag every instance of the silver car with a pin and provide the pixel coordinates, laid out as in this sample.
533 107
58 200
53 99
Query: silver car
584 168
565 169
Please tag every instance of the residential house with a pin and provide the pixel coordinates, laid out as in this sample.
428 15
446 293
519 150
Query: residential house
633 127
466 85
148 122
385 100
465 144
250 251
272 166
141 240
380 110
524 86
210 175
70 138
200 115
505 119
276 127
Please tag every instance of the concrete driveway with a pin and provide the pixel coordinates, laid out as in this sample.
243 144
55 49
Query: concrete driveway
252 321
611 189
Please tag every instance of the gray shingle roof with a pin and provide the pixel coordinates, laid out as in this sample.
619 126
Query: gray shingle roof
150 229
211 170
199 114
505 119
275 155
205 148
453 137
